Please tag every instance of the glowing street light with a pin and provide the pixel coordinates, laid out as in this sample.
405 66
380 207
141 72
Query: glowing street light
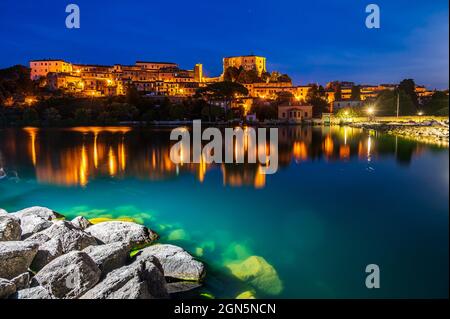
370 110
420 113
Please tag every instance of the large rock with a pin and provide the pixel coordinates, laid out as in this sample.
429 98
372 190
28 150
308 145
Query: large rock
22 281
37 292
133 234
175 261
182 286
7 288
141 280
42 212
32 224
110 256
3 212
81 222
16 257
69 276
35 219
71 237
47 252
9 228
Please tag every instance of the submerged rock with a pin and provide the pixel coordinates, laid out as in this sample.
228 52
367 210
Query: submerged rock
37 292
115 231
10 229
246 295
175 261
257 272
7 288
16 257
141 280
69 276
71 237
81 222
110 256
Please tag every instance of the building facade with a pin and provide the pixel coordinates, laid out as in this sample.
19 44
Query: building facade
248 62
295 113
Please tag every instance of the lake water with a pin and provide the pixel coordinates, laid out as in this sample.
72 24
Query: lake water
341 199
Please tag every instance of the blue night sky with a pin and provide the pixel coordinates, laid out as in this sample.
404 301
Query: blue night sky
313 41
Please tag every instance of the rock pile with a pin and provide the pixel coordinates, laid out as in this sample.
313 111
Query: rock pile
43 256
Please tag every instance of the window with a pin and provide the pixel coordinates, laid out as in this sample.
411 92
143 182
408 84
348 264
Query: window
283 115
306 114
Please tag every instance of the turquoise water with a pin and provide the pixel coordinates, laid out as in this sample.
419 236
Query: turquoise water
341 199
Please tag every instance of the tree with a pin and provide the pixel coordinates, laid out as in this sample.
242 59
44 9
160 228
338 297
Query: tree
52 116
284 97
316 98
133 96
386 103
264 110
349 112
337 91
224 92
30 117
356 93
83 116
231 74
438 104
284 78
408 86
265 77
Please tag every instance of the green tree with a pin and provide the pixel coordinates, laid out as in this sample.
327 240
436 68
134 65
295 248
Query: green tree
356 93
231 74
52 116
123 111
337 91
284 78
316 98
386 103
284 97
265 77
438 104
224 92
408 86
264 110
83 116
30 117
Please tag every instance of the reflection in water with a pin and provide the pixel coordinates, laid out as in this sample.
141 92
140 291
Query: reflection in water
77 155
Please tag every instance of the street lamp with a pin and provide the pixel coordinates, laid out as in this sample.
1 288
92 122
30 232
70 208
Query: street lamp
420 113
370 112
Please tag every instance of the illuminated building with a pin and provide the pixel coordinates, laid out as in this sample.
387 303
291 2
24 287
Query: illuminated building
40 68
295 113
248 62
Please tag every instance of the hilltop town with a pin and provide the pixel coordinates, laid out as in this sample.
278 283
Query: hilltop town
161 91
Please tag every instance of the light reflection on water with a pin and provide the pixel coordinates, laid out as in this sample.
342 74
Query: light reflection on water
342 198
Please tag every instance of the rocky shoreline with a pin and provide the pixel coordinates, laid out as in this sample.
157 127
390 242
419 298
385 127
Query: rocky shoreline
432 132
44 256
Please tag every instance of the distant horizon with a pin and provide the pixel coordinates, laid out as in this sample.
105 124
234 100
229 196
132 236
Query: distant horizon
312 42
